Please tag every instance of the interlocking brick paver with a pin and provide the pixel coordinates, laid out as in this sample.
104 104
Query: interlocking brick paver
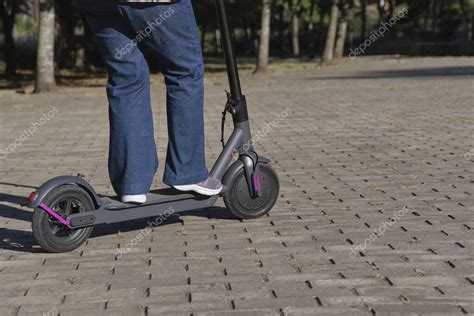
363 142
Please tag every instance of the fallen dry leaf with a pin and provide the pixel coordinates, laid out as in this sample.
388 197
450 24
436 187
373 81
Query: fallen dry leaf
252 250
182 232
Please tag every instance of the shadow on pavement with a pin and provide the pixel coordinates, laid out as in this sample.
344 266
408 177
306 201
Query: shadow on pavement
459 71
209 213
23 241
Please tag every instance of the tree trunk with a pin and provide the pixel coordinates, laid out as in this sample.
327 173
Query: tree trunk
363 18
45 80
295 33
426 19
350 26
281 26
393 6
434 15
311 29
245 31
254 36
80 53
66 40
467 19
321 34
382 12
79 61
264 47
218 43
331 35
7 14
341 33
10 50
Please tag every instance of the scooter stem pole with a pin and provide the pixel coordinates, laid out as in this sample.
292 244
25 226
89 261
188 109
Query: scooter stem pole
232 70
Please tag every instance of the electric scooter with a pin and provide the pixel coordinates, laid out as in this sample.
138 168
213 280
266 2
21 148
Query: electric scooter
67 208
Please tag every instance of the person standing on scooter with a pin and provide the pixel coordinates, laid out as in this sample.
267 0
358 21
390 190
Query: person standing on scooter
169 29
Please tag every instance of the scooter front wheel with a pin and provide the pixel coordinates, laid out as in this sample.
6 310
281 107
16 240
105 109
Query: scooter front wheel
54 236
239 200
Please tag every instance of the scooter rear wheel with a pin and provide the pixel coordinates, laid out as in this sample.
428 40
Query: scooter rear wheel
50 234
239 201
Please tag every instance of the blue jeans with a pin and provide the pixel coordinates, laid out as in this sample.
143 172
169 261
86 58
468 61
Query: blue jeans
170 31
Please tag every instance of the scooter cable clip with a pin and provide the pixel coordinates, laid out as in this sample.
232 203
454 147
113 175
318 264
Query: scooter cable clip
227 108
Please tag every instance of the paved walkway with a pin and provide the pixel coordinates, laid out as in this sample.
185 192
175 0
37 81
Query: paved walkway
366 147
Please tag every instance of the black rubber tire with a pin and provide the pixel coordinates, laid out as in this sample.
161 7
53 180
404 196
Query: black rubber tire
238 200
44 225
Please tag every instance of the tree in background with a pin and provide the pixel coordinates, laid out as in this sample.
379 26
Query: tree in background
8 11
45 80
69 38
382 6
296 7
345 7
341 13
392 4
467 8
434 16
311 26
328 53
363 18
302 28
264 46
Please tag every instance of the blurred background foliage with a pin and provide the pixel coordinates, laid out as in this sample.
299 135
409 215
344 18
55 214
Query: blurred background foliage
299 29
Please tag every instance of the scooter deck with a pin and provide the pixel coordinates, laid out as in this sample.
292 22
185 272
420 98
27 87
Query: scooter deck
163 202
153 197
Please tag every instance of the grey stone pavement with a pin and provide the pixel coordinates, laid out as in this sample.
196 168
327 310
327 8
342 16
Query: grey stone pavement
379 145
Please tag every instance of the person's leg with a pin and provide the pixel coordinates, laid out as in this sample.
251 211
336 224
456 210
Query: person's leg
132 154
171 32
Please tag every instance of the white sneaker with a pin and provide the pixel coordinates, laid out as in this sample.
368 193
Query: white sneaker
140 199
208 187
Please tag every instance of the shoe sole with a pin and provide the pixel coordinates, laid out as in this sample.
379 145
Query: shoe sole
198 189
134 202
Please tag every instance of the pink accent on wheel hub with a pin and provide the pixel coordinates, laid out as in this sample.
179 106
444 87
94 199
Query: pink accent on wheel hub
54 214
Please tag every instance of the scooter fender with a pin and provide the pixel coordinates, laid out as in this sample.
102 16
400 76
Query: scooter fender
53 183
234 169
